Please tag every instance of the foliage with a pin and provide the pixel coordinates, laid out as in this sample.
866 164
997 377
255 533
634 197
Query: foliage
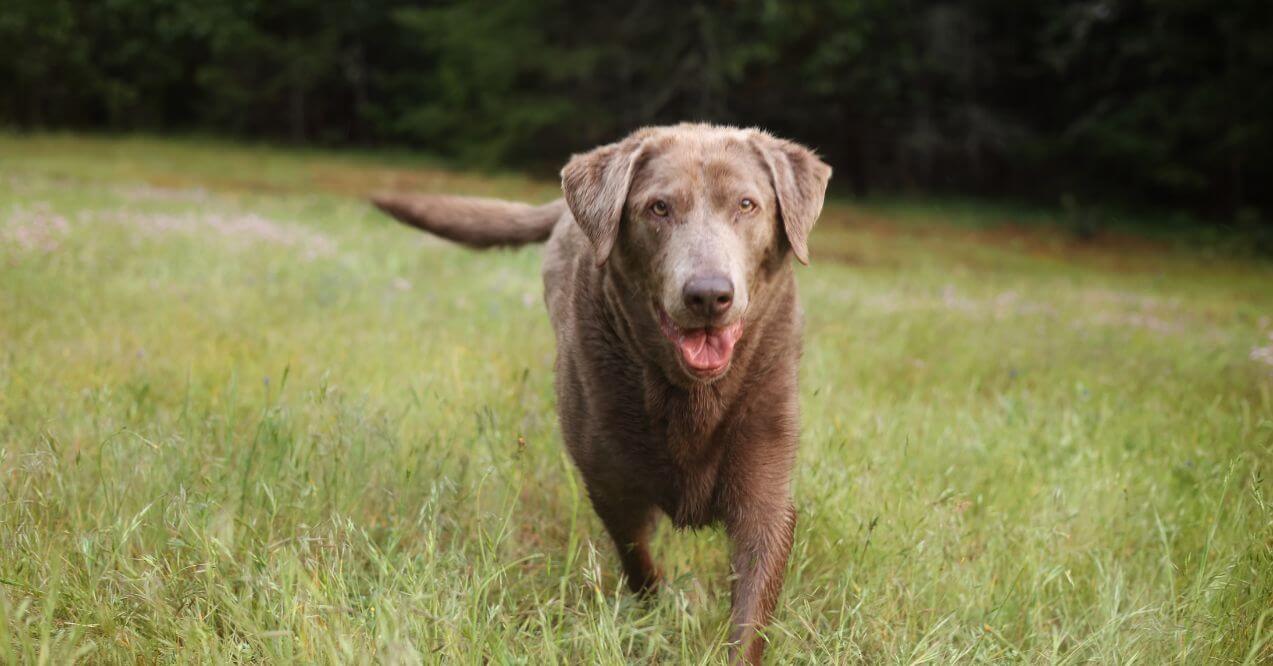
1159 101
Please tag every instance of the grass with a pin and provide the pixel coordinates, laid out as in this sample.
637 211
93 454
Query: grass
245 419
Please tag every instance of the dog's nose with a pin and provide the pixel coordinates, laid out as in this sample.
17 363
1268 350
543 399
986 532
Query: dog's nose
708 295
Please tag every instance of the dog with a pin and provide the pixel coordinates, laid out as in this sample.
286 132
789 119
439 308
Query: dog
669 281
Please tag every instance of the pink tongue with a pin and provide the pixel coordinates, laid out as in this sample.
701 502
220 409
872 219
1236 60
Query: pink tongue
708 349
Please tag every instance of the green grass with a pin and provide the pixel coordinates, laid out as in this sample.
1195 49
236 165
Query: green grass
245 419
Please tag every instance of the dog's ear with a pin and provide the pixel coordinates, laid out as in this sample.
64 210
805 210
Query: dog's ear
800 181
596 186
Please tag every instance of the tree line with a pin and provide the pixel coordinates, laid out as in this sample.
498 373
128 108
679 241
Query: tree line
1165 102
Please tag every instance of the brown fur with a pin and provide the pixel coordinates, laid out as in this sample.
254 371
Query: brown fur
647 435
505 223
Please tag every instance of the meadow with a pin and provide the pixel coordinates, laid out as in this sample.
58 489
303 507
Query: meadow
246 419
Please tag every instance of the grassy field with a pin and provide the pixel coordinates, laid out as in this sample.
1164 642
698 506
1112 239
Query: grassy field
243 418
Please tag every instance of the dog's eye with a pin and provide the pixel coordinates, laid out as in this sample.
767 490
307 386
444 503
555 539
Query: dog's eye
747 205
659 208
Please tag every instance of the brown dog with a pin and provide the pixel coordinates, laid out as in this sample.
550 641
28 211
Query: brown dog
669 283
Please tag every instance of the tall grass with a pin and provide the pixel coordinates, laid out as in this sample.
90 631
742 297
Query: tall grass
245 419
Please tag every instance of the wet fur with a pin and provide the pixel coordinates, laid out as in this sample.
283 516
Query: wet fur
646 437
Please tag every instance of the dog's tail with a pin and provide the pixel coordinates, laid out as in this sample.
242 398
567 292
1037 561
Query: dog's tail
479 223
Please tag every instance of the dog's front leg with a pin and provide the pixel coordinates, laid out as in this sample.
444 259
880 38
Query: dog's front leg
762 532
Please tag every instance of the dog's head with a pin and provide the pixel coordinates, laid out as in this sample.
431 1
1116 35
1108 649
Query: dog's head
698 218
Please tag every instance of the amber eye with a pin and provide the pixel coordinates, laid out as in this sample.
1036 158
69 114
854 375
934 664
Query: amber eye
659 208
747 205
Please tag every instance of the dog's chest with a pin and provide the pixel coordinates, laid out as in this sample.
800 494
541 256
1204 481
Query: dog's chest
691 501
694 450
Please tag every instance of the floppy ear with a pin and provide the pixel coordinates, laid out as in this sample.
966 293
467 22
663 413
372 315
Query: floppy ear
800 181
596 187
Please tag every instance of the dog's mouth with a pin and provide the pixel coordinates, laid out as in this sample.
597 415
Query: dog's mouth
706 351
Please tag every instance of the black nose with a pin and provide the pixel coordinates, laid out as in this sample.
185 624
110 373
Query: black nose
708 295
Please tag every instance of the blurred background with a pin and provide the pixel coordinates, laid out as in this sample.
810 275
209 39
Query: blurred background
1153 104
